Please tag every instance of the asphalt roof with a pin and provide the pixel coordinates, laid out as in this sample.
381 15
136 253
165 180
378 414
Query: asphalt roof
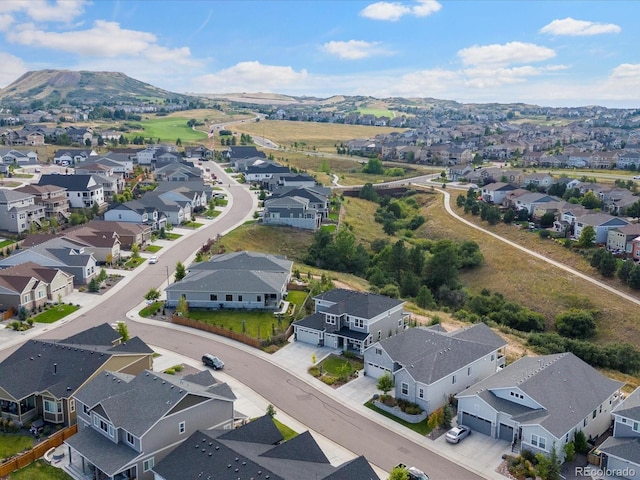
625 448
356 469
357 304
245 260
630 407
262 430
230 281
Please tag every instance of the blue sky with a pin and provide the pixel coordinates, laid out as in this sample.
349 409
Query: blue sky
556 53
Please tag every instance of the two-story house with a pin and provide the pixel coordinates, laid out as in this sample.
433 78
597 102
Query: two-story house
128 423
135 211
291 211
429 365
18 210
82 190
601 223
51 197
621 452
350 320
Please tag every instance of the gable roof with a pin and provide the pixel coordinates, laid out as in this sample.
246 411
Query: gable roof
567 388
630 407
262 430
358 468
624 448
245 260
358 304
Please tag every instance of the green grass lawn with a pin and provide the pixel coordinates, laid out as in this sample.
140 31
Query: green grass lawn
153 248
12 444
422 428
257 324
169 129
328 228
336 366
39 470
286 432
5 243
172 236
134 262
150 309
192 225
55 313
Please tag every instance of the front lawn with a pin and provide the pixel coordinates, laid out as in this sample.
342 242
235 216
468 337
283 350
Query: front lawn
133 262
286 432
422 428
12 444
39 470
150 309
172 236
337 370
254 323
153 248
55 313
192 225
6 243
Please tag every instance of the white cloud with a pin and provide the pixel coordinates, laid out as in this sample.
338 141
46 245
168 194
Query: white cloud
45 11
353 49
5 22
509 53
104 39
250 77
573 27
12 68
393 11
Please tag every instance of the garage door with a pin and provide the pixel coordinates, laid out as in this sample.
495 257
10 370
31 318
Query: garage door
476 424
506 433
373 370
308 336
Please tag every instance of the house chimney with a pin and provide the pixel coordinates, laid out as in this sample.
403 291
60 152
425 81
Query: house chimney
55 368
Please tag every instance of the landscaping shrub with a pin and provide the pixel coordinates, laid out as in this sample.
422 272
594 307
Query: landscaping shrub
314 371
328 380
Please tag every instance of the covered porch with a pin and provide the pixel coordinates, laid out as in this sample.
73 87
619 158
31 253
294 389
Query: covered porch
20 411
347 340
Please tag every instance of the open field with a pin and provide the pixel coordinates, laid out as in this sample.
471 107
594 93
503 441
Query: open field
322 136
378 112
169 129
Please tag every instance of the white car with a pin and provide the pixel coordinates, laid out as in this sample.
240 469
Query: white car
153 259
457 433
636 177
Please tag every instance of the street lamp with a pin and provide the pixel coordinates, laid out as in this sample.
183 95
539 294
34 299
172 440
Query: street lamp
167 267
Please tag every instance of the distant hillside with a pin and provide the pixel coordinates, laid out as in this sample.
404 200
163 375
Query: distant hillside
82 87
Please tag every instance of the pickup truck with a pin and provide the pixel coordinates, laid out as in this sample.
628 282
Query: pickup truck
414 473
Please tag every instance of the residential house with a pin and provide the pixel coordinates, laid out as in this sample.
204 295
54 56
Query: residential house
138 212
51 197
29 285
172 205
236 152
621 239
350 320
621 452
40 378
539 403
11 156
128 423
601 223
244 279
291 180
82 190
73 156
129 233
198 153
121 163
256 450
104 245
67 255
80 135
177 172
528 201
18 210
566 218
151 154
196 191
496 192
318 197
263 172
542 180
291 211
429 365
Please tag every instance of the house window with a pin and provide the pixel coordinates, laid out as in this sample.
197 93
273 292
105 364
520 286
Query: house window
213 297
85 409
27 297
593 415
404 388
52 407
259 298
623 420
400 322
130 439
229 298
378 351
72 405
453 380
493 357
147 464
468 370
239 298
636 427
182 427
379 334
584 422
421 392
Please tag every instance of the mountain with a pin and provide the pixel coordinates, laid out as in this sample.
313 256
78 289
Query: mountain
66 86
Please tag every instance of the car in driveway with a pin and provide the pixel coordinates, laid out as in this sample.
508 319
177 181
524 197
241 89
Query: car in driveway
636 177
413 472
212 361
457 433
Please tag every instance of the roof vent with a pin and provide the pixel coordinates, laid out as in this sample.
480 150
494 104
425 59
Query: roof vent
31 358
210 453
217 447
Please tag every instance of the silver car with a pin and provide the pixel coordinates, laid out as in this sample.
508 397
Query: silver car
457 433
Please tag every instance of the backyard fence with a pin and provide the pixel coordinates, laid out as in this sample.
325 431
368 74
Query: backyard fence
20 461
225 332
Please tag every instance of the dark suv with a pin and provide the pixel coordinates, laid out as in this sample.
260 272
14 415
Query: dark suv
212 361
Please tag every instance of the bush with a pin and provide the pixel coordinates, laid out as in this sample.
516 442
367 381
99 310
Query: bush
329 380
314 371
580 442
569 452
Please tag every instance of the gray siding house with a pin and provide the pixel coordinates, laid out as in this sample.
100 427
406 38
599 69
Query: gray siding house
234 280
538 403
621 452
429 365
128 423
291 211
350 320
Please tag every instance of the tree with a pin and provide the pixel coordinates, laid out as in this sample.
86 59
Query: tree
608 265
182 308
399 473
271 410
587 237
493 215
374 167
625 270
180 273
442 267
447 417
576 323
509 216
547 220
634 278
123 331
102 276
152 295
385 383
590 201
424 299
633 210
94 285
135 251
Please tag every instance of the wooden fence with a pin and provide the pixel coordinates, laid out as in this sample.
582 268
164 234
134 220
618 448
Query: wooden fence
225 332
20 461
8 314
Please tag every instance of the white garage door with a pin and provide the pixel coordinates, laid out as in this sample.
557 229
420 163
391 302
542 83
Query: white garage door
308 336
373 370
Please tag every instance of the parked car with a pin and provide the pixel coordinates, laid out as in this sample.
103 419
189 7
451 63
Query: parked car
457 433
636 177
212 361
414 473
153 259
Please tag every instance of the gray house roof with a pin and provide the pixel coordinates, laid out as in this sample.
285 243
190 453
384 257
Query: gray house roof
231 281
479 333
625 448
246 261
630 407
358 304
567 388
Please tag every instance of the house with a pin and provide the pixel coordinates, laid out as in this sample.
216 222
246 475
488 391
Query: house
11 156
621 239
621 452
350 320
292 211
248 280
51 197
318 197
40 378
29 285
129 233
170 204
127 423
67 255
528 201
178 172
18 210
135 211
263 171
196 191
73 156
539 403
496 192
601 223
292 180
242 151
104 245
256 450
429 365
82 190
